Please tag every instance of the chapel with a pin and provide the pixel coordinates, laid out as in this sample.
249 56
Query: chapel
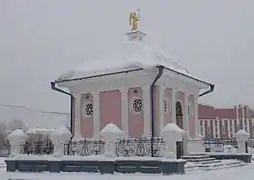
138 87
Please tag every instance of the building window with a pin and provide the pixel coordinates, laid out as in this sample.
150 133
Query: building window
206 130
245 125
190 109
223 131
238 127
216 129
167 105
231 128
136 105
87 110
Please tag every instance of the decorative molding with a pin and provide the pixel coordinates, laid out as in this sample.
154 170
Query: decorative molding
173 103
161 108
147 110
124 111
77 115
195 107
96 115
186 114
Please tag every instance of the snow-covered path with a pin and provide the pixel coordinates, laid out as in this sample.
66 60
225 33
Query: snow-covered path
243 173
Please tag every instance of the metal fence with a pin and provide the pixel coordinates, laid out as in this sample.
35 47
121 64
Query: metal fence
37 147
84 147
125 147
217 145
140 147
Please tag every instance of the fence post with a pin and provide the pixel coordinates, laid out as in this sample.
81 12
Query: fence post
68 146
59 137
241 137
16 139
110 134
171 133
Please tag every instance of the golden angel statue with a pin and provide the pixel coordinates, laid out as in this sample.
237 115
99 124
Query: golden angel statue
133 20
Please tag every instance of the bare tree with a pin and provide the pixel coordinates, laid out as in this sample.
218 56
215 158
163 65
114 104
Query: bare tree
15 124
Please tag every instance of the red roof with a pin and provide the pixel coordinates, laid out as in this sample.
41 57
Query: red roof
205 112
209 112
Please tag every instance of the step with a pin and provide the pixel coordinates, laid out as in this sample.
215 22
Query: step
201 160
228 166
214 166
218 164
208 162
195 157
197 154
224 166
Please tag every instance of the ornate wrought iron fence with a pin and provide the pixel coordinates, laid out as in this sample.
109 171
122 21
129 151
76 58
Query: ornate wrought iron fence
37 147
140 147
84 147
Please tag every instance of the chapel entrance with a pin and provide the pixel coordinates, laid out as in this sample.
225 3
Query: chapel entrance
179 123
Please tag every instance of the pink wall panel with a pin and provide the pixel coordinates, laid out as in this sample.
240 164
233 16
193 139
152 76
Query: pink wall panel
110 108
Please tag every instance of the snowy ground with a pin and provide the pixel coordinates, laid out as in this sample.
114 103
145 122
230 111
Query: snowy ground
243 173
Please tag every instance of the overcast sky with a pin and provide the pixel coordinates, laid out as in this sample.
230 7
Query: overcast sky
40 39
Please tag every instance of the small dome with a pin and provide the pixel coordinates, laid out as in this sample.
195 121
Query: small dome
131 55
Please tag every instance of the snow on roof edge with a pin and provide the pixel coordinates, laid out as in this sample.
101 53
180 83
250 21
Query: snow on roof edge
124 69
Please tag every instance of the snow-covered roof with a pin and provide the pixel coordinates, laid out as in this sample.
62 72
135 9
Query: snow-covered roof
129 56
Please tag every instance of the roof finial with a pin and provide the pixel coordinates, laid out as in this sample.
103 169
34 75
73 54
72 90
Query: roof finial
134 18
135 34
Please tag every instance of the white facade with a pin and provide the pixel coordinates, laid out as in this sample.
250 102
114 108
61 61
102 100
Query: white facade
218 129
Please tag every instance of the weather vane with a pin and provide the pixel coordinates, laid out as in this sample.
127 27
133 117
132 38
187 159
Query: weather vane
133 20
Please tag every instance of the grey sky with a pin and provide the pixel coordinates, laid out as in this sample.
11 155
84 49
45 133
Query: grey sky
40 39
